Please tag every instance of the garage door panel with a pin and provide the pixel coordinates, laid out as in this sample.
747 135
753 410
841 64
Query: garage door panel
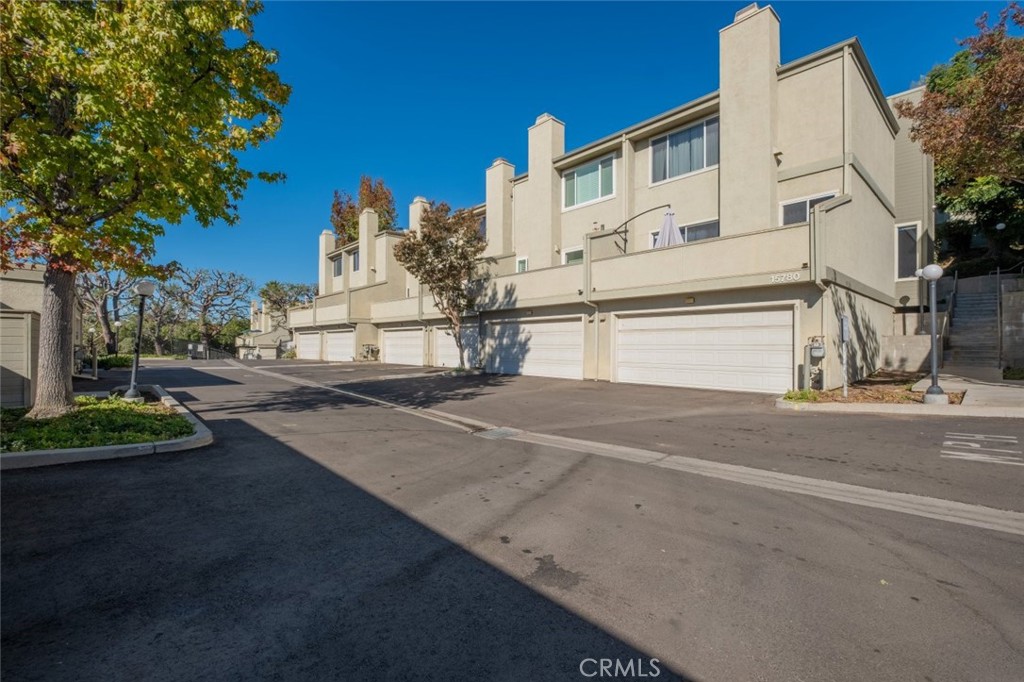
743 350
446 353
341 346
547 348
307 346
403 346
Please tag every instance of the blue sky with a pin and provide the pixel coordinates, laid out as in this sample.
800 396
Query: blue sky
427 95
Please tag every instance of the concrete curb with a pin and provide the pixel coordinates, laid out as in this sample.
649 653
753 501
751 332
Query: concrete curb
915 409
40 458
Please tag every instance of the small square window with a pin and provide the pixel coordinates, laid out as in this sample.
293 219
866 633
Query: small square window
571 256
795 212
339 267
522 264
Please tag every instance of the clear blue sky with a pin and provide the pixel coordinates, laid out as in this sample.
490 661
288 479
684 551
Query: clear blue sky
427 95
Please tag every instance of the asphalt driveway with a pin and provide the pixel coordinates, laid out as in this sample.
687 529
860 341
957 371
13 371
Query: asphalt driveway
890 452
324 538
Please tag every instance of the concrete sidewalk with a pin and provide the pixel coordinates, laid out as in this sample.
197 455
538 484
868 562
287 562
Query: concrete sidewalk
979 392
984 396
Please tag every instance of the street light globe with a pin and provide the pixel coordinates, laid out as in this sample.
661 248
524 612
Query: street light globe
117 324
931 272
1001 226
145 288
92 330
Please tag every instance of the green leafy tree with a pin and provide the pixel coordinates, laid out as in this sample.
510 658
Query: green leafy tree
280 296
444 255
372 194
119 117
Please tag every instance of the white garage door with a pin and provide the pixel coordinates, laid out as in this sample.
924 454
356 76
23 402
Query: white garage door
542 348
403 346
750 350
308 346
446 353
341 346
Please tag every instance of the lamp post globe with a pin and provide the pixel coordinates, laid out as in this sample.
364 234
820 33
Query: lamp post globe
143 289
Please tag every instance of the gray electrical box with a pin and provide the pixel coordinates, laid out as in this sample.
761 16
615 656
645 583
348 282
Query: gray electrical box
817 350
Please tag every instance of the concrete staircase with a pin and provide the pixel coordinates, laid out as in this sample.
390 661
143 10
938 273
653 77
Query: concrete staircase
973 340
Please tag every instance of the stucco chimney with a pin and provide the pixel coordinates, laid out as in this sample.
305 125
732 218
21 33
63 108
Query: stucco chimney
748 73
326 269
499 208
543 191
368 223
416 208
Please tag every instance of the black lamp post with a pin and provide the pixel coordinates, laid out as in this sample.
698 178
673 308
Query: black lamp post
934 394
143 289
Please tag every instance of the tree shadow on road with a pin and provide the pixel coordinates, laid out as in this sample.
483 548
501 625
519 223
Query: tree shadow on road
248 560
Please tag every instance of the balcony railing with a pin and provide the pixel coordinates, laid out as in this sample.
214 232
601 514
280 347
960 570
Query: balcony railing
301 317
771 253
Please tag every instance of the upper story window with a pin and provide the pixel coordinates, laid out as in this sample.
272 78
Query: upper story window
693 233
522 264
571 256
339 266
906 250
355 261
799 211
588 183
685 151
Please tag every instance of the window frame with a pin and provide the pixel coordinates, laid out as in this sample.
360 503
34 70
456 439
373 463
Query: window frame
651 182
338 264
831 194
597 161
683 229
355 261
896 250
525 260
574 249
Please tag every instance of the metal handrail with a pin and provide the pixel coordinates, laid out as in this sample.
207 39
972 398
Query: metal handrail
1009 269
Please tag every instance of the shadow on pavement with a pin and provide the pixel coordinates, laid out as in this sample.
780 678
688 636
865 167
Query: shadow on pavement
247 560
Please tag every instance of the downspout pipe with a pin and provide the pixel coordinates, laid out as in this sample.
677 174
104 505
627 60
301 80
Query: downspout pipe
586 301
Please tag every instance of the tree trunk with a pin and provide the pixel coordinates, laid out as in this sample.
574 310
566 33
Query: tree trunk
456 327
158 344
103 316
54 393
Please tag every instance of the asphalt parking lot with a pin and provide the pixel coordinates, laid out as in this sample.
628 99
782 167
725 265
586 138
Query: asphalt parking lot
889 452
324 537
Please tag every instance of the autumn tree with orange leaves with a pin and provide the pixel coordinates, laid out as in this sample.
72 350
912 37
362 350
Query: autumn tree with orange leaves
971 116
345 210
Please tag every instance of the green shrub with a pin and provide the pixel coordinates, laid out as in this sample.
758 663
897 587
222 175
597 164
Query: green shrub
94 422
289 354
1014 373
804 395
110 361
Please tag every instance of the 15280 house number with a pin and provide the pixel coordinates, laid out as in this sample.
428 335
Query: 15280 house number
784 277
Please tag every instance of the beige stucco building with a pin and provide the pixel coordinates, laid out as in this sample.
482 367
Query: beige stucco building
268 333
787 184
21 303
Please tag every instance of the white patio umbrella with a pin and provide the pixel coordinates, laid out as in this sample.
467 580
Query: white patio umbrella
669 235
